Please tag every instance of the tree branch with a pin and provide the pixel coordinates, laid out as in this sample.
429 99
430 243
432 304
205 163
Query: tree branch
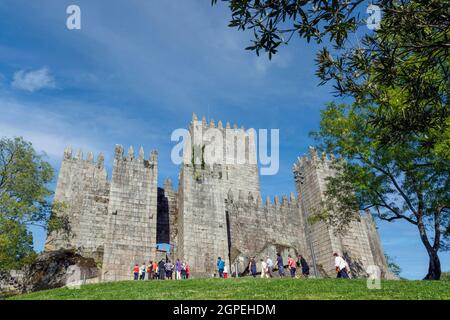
399 189
398 215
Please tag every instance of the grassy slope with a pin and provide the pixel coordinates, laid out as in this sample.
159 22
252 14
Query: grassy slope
248 288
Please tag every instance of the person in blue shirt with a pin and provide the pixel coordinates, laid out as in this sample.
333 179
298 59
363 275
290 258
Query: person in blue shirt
178 269
280 265
220 266
252 266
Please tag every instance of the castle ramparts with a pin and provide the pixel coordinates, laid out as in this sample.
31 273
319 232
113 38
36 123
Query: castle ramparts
216 211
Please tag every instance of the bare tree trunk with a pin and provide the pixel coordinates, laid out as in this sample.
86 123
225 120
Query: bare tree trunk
434 267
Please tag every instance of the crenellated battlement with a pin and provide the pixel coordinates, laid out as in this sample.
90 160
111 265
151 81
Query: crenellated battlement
131 156
83 188
68 155
212 124
313 159
241 198
210 143
260 228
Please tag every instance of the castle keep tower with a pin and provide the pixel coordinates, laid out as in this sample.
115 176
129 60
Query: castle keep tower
203 234
360 245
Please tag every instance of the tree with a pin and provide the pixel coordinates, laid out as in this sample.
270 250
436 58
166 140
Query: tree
274 22
403 69
409 52
24 200
396 182
395 138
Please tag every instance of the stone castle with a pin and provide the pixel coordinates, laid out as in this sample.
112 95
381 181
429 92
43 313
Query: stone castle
217 211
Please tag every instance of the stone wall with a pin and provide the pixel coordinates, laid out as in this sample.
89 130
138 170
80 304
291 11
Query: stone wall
131 229
261 230
11 282
202 225
83 190
310 178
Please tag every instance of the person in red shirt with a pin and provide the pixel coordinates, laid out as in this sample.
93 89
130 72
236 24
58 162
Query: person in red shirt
292 265
136 271
155 268
150 270
187 271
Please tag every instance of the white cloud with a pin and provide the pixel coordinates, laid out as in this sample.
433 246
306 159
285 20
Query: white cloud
50 132
33 80
54 124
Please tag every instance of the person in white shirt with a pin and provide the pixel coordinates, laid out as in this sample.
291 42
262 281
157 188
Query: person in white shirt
341 266
143 269
264 270
269 266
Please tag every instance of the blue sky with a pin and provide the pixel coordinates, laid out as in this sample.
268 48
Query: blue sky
138 69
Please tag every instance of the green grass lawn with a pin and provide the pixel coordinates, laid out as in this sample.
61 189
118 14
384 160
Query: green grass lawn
249 288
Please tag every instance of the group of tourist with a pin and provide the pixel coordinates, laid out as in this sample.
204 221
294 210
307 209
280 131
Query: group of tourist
267 266
162 270
165 269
